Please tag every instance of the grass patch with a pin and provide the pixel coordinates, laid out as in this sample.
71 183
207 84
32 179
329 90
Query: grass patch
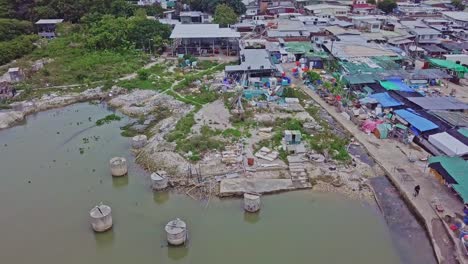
71 63
183 127
108 119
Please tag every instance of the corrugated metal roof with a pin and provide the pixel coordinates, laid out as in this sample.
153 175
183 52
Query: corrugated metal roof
49 21
418 122
202 31
438 103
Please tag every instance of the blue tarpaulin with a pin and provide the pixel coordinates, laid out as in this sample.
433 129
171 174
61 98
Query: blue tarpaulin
418 122
385 100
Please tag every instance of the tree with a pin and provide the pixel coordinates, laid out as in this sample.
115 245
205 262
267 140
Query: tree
12 28
109 33
144 32
458 4
210 5
387 6
224 15
372 2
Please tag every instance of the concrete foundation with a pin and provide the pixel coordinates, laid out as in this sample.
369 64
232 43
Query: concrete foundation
251 202
101 218
159 180
118 166
176 231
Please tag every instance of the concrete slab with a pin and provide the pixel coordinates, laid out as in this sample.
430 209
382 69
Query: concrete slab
229 187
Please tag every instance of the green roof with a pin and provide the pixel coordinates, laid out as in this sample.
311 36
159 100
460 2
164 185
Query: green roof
456 167
377 64
463 131
359 79
447 64
304 48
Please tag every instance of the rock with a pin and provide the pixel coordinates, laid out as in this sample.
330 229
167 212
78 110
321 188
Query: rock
9 118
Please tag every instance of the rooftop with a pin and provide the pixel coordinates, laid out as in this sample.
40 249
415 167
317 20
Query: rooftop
424 31
48 21
202 31
191 13
254 59
325 6
459 15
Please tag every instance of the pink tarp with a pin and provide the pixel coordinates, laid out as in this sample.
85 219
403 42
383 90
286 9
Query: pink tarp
370 125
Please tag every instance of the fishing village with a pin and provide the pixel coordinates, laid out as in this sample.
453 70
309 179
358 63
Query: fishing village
161 129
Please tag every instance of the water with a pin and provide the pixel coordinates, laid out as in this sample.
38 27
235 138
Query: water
54 169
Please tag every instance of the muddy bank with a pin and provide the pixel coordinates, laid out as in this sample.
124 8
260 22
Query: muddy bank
19 110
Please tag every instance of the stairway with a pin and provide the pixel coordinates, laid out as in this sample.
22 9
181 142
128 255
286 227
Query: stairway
298 172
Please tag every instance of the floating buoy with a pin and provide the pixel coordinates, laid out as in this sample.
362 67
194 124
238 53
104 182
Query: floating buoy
176 231
118 166
101 218
139 141
159 180
251 202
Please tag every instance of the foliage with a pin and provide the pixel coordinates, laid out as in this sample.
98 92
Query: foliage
296 93
372 2
224 15
458 4
210 5
122 33
108 119
71 62
12 28
387 6
143 74
313 76
16 48
70 10
182 128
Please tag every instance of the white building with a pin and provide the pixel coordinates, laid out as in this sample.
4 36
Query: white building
327 11
426 35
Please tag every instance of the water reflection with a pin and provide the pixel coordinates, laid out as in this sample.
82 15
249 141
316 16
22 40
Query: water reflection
251 218
119 182
161 197
177 253
104 239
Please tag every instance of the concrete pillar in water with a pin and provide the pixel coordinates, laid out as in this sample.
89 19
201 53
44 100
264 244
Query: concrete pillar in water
101 218
176 231
139 141
251 202
118 166
159 180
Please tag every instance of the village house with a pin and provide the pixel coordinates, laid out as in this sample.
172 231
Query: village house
327 11
46 28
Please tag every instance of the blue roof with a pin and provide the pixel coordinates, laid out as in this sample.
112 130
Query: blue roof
418 122
385 99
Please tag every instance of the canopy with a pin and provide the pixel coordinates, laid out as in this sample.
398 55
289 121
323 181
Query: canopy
453 169
395 85
385 100
447 64
418 122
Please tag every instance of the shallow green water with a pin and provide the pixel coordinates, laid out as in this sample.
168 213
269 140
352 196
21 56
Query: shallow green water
46 220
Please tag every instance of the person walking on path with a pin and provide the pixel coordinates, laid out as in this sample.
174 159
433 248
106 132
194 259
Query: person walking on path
417 188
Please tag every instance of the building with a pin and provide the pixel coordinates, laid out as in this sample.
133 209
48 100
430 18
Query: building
253 63
426 35
327 11
204 40
194 17
367 23
46 27
362 7
459 17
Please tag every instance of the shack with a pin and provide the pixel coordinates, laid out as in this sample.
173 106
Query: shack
46 28
451 171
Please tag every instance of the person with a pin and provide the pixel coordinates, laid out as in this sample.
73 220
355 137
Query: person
13 92
417 188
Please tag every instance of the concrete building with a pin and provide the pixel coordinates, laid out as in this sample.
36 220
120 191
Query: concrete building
367 23
253 63
194 17
327 11
46 27
204 39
